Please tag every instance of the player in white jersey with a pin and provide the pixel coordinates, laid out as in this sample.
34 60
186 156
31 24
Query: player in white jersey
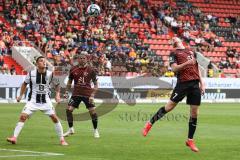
40 81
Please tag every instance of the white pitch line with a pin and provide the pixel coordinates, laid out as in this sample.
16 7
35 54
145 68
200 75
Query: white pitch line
22 155
28 155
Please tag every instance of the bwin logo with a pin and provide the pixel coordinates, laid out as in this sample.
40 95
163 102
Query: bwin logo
215 96
126 95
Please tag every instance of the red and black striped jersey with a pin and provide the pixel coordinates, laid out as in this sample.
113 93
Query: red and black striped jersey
190 72
83 78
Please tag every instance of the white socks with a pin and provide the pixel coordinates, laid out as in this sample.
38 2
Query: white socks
18 129
59 129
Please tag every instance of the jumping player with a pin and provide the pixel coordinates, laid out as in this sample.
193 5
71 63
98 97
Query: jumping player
189 83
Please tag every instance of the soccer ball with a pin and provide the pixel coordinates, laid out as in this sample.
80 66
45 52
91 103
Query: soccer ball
93 10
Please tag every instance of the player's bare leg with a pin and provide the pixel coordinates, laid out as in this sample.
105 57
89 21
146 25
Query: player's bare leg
94 117
70 121
59 129
18 128
192 127
160 113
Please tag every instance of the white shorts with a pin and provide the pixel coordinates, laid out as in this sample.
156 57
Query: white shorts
31 107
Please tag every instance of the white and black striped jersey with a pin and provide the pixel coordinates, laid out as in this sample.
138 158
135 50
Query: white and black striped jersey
40 84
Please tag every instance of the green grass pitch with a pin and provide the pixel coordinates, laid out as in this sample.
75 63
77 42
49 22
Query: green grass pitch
217 135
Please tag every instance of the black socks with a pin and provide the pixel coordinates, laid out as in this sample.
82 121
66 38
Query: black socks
192 127
160 113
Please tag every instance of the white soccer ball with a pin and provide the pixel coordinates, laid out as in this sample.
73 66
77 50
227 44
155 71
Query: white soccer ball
93 10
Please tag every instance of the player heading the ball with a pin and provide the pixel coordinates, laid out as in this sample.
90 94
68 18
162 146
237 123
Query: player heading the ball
189 84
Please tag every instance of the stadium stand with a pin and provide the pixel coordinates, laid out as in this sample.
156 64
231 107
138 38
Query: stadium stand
7 38
129 37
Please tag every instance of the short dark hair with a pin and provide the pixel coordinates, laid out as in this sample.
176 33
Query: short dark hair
39 58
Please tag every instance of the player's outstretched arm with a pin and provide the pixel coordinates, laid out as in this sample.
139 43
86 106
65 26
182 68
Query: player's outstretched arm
22 91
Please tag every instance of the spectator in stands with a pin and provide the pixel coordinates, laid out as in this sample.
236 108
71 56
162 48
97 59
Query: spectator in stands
1 62
231 52
232 20
137 63
210 73
108 65
144 58
157 70
3 48
208 40
13 70
224 63
199 41
169 72
5 70
132 55
206 26
238 32
238 20
196 12
168 19
238 63
187 25
235 33
175 26
210 70
217 42
130 66
19 22
16 37
102 62
212 19
135 14
186 35
234 65
221 74
164 30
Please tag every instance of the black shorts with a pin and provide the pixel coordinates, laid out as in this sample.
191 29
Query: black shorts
75 101
190 89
